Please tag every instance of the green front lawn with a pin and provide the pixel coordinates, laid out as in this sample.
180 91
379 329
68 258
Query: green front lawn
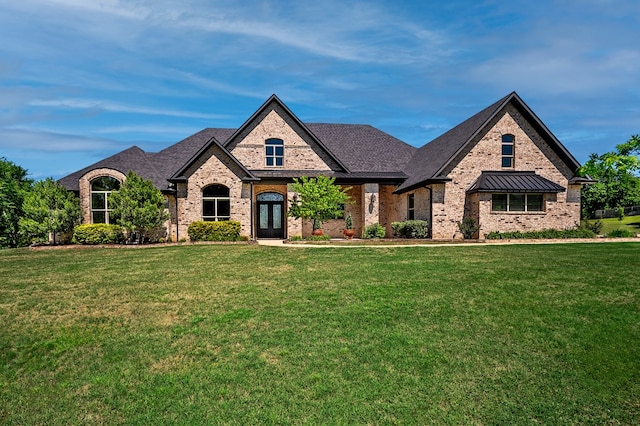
631 223
505 334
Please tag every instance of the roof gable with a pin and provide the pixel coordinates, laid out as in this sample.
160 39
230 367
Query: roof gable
212 147
432 160
276 105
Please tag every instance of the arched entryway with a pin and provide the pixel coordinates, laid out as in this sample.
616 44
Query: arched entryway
271 215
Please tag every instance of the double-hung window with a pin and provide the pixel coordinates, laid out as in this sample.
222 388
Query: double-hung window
274 152
517 202
508 148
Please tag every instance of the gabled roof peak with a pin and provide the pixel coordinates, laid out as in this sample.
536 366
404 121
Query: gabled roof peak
434 158
253 121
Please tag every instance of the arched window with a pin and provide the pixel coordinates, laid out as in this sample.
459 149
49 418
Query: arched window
216 204
101 189
508 146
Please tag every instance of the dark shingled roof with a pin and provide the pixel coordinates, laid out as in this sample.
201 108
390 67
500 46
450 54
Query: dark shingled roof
367 153
509 181
432 157
363 148
357 152
431 160
130 159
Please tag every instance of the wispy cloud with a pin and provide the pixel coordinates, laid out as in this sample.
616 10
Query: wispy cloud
45 141
88 104
75 73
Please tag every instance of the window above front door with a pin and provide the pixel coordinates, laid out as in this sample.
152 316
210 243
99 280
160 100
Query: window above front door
274 152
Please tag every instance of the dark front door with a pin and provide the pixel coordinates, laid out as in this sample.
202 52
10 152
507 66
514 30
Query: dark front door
271 223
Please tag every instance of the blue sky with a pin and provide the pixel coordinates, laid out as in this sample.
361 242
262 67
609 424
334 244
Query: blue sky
84 79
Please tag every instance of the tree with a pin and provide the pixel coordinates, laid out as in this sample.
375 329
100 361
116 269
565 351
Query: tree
13 187
138 206
616 172
49 208
319 199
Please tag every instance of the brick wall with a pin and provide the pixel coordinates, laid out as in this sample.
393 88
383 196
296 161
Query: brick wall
208 171
531 154
298 155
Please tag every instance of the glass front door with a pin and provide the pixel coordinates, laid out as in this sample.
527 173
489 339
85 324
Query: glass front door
271 223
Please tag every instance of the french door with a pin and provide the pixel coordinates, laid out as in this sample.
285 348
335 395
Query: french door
271 218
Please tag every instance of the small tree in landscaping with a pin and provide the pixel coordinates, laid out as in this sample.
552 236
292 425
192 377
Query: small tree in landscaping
49 208
319 199
468 227
138 206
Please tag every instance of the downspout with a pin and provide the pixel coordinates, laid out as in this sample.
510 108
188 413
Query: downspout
252 219
177 220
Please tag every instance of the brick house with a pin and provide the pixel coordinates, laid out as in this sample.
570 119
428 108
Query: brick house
502 167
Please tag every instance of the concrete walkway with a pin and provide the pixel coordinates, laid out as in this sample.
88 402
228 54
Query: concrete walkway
345 244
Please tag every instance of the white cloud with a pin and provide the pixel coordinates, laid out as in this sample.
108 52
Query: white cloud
89 104
44 141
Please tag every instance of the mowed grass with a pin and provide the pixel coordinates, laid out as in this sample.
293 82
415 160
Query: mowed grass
208 334
632 223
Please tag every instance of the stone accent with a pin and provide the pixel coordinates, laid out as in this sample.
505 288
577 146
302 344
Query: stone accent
371 204
85 188
298 154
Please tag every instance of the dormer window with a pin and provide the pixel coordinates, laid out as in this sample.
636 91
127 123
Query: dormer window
508 142
274 152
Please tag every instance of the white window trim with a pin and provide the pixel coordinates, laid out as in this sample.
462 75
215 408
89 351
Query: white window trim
106 210
274 157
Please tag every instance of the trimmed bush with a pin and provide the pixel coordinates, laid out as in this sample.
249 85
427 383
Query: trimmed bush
411 229
374 231
621 233
97 233
544 234
225 230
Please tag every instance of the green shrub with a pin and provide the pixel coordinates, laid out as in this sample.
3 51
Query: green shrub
620 213
98 233
225 230
621 233
411 229
593 225
374 231
468 227
544 234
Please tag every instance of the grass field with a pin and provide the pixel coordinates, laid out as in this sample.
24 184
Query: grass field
632 223
243 334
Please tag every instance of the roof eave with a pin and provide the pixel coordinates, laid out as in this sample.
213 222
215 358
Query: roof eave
423 183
